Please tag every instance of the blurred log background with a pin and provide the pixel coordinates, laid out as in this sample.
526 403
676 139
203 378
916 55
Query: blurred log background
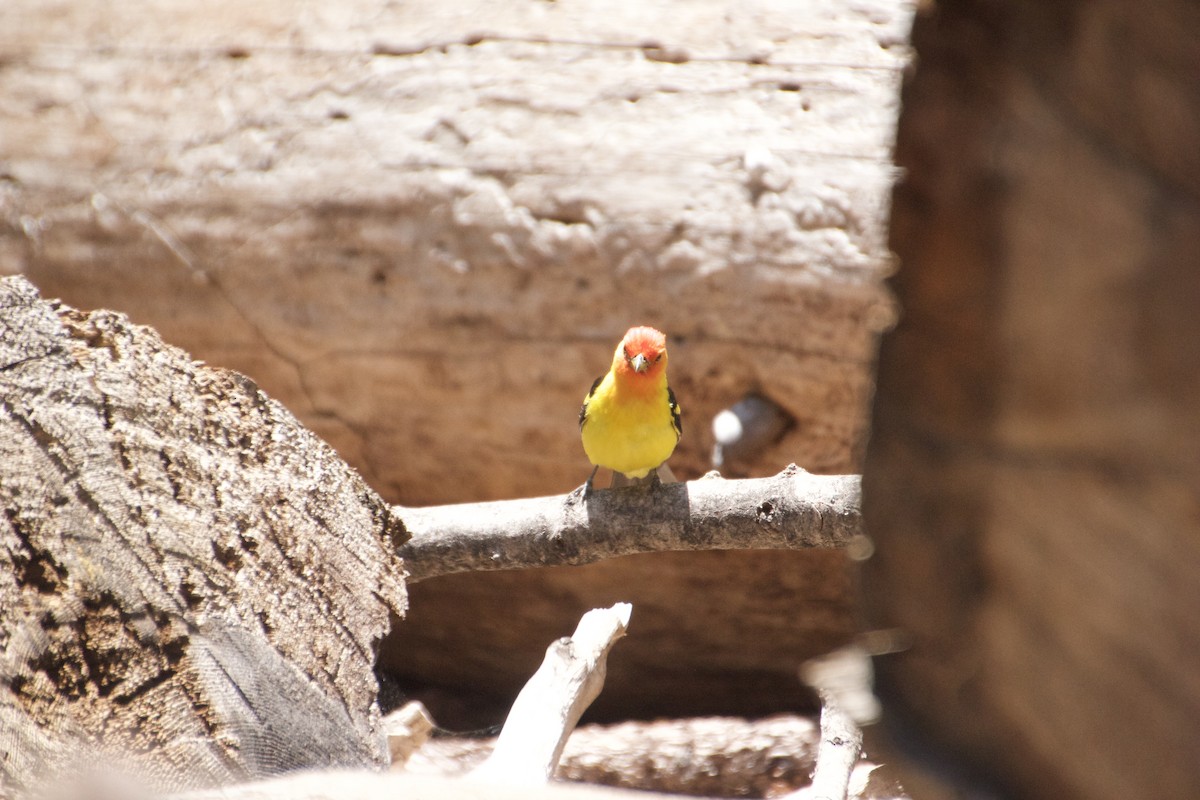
1033 475
424 227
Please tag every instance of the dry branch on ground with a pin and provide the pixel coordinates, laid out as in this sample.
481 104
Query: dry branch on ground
548 708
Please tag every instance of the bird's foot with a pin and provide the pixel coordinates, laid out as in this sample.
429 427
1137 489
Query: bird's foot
582 492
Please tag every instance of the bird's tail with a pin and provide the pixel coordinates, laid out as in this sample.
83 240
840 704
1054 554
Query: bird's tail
661 475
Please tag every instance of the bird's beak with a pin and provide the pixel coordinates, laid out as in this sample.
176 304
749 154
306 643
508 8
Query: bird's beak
639 363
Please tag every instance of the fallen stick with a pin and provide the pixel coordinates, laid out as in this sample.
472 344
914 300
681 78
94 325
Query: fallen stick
844 680
789 511
550 704
841 744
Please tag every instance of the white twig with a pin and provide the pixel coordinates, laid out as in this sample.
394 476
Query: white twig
841 743
549 707
844 681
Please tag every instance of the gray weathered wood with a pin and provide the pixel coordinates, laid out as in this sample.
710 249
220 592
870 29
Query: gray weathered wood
710 756
793 510
837 754
192 585
423 227
363 785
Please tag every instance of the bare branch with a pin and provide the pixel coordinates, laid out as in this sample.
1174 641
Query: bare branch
791 511
841 744
550 705
844 681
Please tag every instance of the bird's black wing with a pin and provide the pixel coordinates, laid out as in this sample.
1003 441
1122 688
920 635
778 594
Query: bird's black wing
588 399
676 415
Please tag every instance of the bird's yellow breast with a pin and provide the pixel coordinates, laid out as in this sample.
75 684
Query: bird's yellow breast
628 432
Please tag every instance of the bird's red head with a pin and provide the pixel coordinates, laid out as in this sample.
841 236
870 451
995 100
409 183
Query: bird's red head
642 353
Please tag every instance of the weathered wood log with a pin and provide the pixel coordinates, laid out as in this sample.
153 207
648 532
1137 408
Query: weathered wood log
714 756
192 585
397 216
1032 475
704 756
424 231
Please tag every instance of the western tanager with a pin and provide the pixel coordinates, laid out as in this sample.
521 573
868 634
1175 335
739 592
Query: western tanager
630 420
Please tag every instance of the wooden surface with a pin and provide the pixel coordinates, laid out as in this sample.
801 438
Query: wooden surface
192 586
363 785
424 226
545 713
700 756
794 510
1032 475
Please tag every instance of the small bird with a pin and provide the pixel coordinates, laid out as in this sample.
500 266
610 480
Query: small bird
630 420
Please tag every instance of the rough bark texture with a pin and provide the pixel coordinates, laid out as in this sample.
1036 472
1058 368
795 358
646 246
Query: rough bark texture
793 510
1032 477
424 226
191 583
716 757
708 756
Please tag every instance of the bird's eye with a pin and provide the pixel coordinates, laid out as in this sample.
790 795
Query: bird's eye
627 356
658 357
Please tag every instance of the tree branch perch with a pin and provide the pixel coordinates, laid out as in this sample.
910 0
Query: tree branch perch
790 511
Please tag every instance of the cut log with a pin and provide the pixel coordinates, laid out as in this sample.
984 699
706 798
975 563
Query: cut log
192 586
